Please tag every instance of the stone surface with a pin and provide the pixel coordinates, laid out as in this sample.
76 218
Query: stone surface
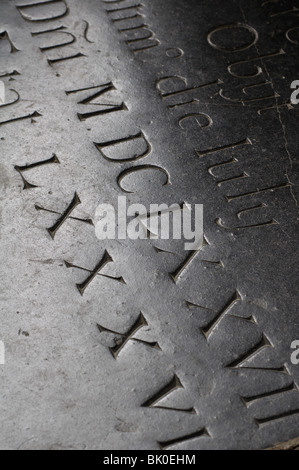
223 133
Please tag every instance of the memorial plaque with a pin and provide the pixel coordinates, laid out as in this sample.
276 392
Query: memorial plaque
123 343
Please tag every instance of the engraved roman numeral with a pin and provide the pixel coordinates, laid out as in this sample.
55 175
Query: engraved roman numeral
66 214
203 432
150 220
108 107
86 221
177 273
262 344
21 169
106 259
173 385
212 325
129 336
249 400
258 347
277 417
118 142
4 36
279 370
